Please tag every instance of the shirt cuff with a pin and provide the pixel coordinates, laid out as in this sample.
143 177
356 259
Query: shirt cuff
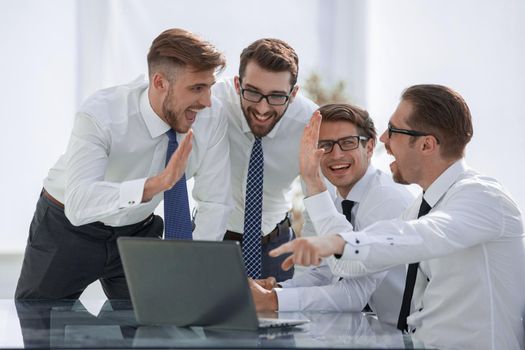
131 193
356 247
287 299
320 206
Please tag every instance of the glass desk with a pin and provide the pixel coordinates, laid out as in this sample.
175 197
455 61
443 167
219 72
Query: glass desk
105 324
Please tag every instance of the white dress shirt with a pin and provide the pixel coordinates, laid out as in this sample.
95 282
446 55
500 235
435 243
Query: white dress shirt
376 197
118 142
470 287
281 156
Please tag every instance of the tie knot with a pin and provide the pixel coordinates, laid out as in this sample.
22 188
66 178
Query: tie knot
172 135
347 206
424 208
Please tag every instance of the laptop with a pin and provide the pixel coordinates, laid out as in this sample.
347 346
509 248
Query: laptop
191 283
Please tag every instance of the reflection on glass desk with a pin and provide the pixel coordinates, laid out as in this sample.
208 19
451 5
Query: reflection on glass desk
111 324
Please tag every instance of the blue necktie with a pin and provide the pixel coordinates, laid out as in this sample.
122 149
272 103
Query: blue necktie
177 223
251 241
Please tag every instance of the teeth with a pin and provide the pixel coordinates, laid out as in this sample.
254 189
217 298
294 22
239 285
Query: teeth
341 166
260 117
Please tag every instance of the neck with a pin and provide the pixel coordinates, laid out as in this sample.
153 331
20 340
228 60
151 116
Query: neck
434 170
344 191
155 103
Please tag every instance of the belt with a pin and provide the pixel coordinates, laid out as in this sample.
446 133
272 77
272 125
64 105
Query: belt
52 199
234 236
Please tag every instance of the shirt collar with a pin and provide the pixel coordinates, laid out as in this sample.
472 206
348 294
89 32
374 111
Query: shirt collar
156 126
359 189
441 185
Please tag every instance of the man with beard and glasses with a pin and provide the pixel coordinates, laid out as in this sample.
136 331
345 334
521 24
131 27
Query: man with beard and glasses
266 118
120 163
462 238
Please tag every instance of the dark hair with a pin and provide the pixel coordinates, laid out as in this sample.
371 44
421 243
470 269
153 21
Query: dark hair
176 48
440 111
271 54
349 113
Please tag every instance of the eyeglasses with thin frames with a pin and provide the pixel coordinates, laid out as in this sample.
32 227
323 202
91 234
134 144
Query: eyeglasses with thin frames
347 143
414 133
272 99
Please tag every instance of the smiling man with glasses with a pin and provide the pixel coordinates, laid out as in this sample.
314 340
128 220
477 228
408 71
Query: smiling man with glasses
266 118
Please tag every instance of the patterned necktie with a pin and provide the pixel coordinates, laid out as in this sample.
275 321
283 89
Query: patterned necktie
410 280
251 241
177 223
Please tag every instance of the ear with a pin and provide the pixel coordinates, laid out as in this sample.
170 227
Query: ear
159 82
237 83
429 144
294 92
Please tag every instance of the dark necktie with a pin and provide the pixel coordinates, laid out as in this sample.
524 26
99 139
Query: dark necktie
410 280
251 241
347 206
177 222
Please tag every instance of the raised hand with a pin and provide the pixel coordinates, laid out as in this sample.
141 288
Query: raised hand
310 157
173 171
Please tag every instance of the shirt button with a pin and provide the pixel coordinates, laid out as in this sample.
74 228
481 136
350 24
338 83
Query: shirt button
131 202
357 251
357 241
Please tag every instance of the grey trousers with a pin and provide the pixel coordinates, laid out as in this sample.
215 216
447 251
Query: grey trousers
61 260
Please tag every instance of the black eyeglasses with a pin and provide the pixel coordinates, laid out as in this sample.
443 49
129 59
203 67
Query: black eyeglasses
272 99
414 133
347 143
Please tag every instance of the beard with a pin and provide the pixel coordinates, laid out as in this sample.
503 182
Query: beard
259 130
398 178
176 119
169 113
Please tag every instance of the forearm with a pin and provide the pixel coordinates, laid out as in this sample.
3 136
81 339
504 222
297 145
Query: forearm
155 185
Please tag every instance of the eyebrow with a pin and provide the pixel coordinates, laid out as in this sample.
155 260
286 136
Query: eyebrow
203 84
273 92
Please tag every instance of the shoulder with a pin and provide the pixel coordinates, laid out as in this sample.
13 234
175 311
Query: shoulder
114 104
224 90
482 190
385 183
300 109
385 197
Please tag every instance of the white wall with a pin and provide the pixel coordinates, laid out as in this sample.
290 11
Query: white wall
37 66
476 47
56 53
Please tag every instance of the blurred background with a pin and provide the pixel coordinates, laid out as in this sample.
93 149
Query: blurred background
56 53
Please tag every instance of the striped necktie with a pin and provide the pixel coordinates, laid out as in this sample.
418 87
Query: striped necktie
177 222
251 241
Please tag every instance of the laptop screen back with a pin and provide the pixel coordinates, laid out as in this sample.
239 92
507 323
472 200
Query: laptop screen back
188 283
